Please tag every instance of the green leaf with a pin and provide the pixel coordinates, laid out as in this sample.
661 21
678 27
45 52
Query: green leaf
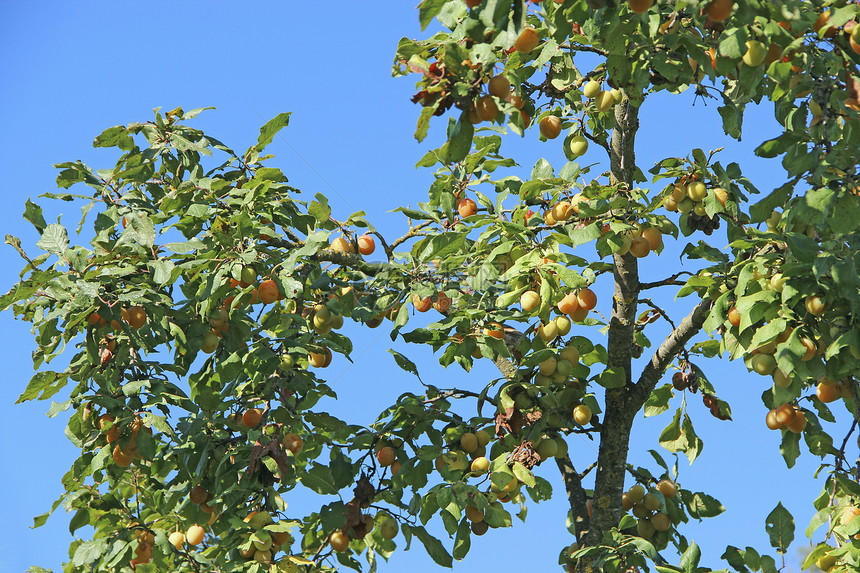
319 479
88 551
672 438
694 443
418 215
790 448
54 239
268 131
819 519
523 474
659 459
33 213
462 542
780 527
583 235
319 209
57 407
701 505
570 171
433 546
658 401
146 445
612 377
405 363
735 558
842 15
752 559
761 210
690 558
820 551
460 141
845 217
42 386
733 116
428 10
116 136
705 251
542 169
644 546
40 520
74 173
80 519
163 271
423 122
768 564
699 157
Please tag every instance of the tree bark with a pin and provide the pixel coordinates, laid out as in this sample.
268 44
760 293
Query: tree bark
575 495
619 408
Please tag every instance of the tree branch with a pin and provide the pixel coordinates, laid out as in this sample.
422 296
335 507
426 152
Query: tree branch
575 495
457 393
355 262
413 232
658 310
673 280
664 355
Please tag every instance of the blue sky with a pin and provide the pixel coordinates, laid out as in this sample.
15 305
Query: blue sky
72 69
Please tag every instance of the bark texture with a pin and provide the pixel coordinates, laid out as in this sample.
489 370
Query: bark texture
619 408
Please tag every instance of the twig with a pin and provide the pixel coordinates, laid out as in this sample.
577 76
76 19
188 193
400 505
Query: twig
666 282
455 393
413 231
840 457
658 310
587 470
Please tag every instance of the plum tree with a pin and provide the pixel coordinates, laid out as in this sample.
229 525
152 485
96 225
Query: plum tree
192 381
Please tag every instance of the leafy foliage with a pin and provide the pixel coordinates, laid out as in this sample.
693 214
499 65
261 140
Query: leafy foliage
206 294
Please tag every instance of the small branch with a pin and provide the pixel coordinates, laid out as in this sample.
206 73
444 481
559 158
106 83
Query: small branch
601 142
587 470
354 262
455 393
293 237
658 310
671 281
840 457
664 355
582 48
639 476
413 232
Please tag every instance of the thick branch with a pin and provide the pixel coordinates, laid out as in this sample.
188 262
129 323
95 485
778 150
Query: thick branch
664 355
575 494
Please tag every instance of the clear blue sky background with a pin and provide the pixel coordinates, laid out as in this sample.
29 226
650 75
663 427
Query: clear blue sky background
69 70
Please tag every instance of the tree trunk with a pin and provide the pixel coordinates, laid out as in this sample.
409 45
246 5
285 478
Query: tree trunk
619 408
